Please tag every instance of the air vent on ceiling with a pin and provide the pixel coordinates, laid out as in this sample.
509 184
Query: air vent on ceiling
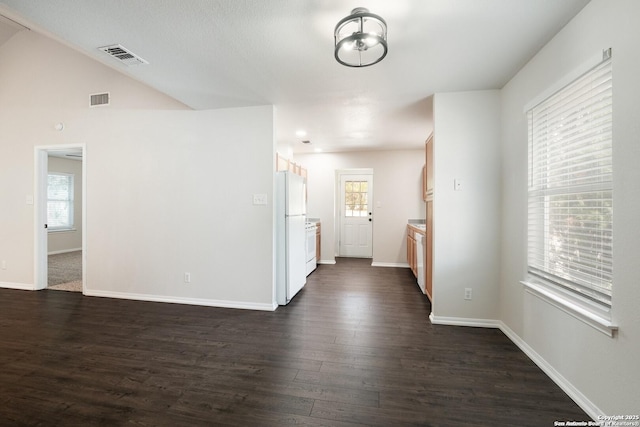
122 54
100 99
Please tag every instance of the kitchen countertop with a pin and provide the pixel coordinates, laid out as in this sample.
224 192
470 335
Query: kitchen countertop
418 227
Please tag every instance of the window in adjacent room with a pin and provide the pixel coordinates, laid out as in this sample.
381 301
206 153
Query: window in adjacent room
570 197
59 201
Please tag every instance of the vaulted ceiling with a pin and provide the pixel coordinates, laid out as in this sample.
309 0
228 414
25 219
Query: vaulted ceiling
229 53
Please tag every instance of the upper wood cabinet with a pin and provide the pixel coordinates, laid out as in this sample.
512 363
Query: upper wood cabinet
428 175
284 164
424 182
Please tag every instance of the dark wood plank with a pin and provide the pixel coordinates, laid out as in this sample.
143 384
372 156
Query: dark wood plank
355 347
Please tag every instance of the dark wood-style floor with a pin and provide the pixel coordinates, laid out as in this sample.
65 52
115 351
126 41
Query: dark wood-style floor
355 347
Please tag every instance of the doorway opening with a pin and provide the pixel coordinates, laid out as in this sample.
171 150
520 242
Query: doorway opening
354 210
60 217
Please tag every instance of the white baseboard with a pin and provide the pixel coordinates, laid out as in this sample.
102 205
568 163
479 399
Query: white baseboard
181 300
390 264
64 251
463 321
580 399
157 298
327 261
20 286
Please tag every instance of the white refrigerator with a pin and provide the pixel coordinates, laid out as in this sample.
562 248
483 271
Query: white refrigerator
290 236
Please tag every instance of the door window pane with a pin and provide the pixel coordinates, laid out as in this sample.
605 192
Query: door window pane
356 199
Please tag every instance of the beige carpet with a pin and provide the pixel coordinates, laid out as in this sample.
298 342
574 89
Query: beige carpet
65 272
75 286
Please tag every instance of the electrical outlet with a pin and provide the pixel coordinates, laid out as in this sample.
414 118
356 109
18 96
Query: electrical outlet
187 277
467 293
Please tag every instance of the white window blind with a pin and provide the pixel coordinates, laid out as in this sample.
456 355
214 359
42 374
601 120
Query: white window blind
59 201
570 241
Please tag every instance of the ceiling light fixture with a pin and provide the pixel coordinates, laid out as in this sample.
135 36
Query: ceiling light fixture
360 39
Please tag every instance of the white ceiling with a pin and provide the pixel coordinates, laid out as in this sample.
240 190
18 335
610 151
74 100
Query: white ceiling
229 53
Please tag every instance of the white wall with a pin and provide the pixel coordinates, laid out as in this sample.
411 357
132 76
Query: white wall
397 186
169 190
604 371
466 238
181 201
68 240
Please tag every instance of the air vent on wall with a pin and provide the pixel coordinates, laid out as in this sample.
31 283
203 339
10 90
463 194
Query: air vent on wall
100 99
122 54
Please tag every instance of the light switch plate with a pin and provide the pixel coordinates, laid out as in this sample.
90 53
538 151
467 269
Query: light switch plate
457 185
29 200
259 199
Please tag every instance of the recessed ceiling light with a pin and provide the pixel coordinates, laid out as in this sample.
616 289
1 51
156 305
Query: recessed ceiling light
306 141
301 133
318 150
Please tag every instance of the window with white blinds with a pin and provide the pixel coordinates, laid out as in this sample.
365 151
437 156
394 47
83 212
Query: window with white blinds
570 211
59 201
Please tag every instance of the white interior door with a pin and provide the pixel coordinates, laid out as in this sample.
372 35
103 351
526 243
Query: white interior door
356 220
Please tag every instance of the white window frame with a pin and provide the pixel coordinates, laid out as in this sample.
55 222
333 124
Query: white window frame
70 226
595 314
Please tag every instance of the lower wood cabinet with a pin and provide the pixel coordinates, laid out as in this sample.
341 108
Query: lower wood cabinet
428 253
412 253
318 240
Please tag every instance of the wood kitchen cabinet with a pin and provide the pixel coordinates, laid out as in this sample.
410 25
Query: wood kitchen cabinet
424 182
284 164
412 254
318 240
427 180
428 183
428 253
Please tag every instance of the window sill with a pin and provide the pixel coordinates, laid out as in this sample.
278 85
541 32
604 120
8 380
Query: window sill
573 309
60 230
